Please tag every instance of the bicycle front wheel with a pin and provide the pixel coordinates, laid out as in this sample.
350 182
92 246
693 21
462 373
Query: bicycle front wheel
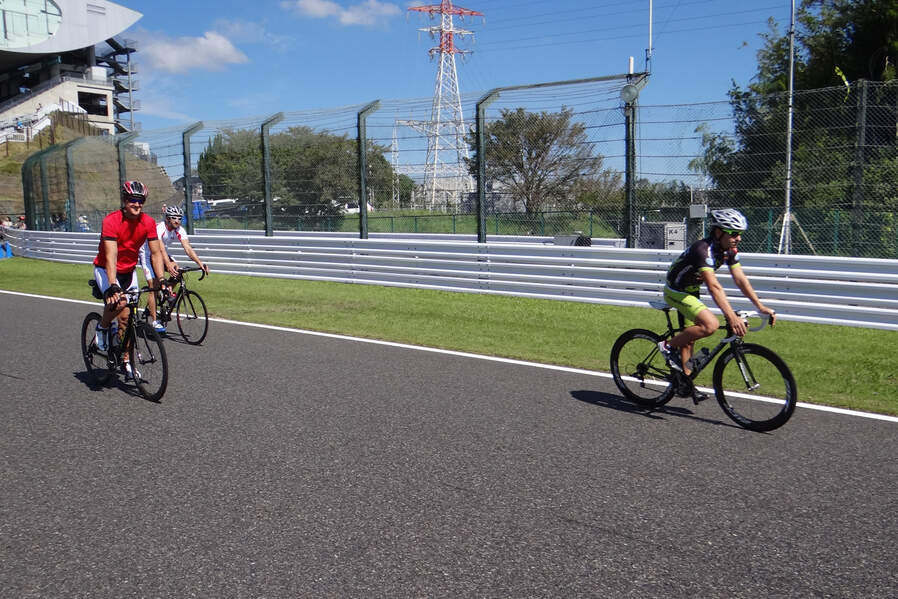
95 360
193 321
640 371
149 362
754 387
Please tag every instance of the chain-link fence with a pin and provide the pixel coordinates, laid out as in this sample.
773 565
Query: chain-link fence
543 159
844 167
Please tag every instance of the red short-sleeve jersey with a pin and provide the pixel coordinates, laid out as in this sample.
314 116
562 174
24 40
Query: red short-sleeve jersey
129 235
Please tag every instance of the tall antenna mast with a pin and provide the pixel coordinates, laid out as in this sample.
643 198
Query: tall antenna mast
446 129
648 51
785 246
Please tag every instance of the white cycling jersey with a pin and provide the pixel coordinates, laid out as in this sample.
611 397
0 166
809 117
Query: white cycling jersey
167 237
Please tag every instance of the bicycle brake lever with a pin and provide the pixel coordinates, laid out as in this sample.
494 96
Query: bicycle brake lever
745 315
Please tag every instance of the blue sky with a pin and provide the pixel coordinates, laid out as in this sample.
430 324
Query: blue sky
202 60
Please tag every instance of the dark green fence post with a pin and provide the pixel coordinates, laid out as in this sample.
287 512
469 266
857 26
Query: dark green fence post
362 139
480 131
31 209
44 223
266 171
836 232
70 212
188 186
629 93
120 154
857 199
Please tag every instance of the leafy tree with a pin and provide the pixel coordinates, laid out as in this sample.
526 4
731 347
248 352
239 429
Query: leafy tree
312 173
230 167
601 191
854 39
537 158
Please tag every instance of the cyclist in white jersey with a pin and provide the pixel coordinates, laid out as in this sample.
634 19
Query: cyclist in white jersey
168 231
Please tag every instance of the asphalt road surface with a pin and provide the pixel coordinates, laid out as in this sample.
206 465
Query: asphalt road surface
281 464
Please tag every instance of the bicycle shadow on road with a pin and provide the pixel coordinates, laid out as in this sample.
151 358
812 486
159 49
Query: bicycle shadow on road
616 402
118 384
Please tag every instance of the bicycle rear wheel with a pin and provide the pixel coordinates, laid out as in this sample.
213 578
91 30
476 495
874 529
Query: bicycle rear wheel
193 321
754 387
640 371
95 360
149 362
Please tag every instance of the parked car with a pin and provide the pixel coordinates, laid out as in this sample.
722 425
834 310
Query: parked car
353 208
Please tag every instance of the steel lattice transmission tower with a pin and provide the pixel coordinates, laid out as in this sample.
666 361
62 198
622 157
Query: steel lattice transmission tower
446 176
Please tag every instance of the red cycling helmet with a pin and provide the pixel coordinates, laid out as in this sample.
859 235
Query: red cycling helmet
134 189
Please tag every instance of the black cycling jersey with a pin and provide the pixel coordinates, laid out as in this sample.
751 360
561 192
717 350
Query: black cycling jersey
685 272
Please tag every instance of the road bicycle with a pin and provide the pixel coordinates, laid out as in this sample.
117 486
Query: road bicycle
184 306
753 385
138 342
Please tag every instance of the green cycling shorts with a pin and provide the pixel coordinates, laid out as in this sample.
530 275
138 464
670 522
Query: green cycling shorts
685 302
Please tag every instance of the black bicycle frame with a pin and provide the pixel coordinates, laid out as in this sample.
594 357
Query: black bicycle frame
671 331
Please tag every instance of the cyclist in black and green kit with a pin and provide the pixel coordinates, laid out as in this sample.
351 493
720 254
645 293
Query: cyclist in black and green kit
695 266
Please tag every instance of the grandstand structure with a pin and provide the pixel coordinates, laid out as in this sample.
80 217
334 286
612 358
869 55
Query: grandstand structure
63 55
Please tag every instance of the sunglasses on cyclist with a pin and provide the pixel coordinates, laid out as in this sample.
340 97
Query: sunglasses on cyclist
732 232
135 200
174 218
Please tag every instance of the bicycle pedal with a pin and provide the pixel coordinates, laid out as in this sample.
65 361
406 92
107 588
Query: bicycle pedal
699 396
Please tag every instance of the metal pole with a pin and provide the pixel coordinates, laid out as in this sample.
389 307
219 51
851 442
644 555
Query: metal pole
362 140
857 199
480 130
70 212
28 167
786 235
188 188
629 94
266 171
120 152
45 195
630 171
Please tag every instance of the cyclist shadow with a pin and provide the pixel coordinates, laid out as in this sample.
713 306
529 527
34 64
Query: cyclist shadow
173 338
616 402
117 383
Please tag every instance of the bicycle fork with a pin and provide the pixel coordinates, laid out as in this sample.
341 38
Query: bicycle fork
751 383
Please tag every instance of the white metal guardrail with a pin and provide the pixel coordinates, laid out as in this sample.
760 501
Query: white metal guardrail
820 289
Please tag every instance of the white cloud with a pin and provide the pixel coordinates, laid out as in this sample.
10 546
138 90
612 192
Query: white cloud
211 52
252 33
369 12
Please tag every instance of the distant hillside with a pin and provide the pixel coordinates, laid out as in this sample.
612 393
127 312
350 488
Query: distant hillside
96 171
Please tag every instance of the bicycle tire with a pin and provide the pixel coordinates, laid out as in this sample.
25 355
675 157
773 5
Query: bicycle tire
148 362
96 361
640 371
192 318
768 405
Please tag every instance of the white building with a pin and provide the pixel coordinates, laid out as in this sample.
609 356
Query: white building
49 57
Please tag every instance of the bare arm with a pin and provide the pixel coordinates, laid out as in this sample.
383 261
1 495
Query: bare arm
110 247
157 258
188 249
748 291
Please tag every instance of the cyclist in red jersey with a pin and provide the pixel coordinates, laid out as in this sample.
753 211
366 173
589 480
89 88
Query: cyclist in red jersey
123 233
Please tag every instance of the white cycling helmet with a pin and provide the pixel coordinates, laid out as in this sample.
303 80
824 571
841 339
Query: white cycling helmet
174 211
729 218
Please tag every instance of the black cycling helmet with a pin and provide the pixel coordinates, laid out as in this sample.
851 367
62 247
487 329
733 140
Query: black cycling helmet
135 190
174 211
